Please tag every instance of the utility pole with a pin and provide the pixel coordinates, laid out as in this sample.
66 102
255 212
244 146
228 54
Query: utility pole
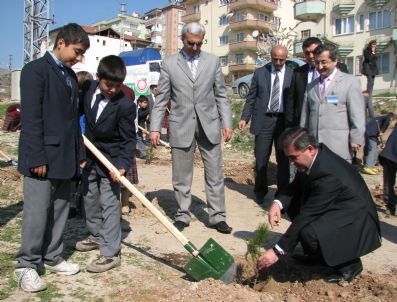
9 62
122 18
35 28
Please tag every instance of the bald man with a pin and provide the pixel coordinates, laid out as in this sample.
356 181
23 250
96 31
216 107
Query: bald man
265 105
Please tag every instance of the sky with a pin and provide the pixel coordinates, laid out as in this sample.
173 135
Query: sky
83 12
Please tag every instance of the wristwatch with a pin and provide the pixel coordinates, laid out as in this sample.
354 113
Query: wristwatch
277 252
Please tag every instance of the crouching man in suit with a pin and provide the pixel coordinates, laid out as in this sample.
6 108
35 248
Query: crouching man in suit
332 212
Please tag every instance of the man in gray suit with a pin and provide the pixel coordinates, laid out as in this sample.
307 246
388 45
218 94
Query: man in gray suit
193 80
333 106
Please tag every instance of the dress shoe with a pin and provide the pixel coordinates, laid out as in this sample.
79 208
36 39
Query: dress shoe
346 275
222 227
180 225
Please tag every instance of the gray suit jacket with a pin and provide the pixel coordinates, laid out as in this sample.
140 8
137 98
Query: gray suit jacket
340 123
204 97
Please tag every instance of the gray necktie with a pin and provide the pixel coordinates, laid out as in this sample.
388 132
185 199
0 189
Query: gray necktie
193 68
274 101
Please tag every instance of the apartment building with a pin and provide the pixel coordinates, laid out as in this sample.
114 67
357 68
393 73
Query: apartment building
351 24
164 27
104 41
234 28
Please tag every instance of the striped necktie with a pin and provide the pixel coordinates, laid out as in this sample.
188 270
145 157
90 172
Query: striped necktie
275 98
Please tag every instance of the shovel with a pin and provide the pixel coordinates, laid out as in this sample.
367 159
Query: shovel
9 159
211 261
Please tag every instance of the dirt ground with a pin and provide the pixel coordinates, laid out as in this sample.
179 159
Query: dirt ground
153 260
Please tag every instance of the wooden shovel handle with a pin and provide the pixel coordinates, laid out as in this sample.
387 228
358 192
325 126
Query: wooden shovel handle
164 221
5 156
167 145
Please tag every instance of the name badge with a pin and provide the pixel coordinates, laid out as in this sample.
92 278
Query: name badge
332 99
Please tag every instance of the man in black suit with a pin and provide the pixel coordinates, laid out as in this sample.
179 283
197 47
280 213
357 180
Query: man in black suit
301 77
266 102
332 212
388 159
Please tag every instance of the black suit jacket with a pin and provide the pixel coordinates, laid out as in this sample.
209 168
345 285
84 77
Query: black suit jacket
390 150
369 67
114 132
336 202
297 92
50 133
378 123
259 96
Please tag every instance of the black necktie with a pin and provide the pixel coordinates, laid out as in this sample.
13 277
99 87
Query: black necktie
65 74
98 99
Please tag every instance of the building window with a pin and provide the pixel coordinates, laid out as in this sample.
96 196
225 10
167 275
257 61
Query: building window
378 20
349 63
241 16
240 37
103 42
305 34
344 26
97 40
223 60
195 9
240 58
223 40
262 16
223 20
383 61
277 21
223 2
361 21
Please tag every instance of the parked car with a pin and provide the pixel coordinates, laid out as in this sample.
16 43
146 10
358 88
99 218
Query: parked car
242 85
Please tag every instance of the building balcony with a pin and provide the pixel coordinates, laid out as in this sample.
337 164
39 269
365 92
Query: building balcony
191 17
382 41
239 67
309 10
190 1
268 6
252 24
343 7
243 45
377 3
394 35
345 48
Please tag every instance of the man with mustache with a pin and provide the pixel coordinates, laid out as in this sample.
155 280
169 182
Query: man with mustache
333 107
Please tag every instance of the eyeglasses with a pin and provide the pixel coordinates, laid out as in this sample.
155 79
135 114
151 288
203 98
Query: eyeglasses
191 43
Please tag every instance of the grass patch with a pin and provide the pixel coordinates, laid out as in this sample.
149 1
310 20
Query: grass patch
6 270
385 94
12 231
52 292
242 140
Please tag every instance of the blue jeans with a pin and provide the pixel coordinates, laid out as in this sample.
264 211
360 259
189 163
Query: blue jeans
370 152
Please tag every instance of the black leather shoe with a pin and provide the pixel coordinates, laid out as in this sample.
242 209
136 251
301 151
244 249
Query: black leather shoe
347 275
180 225
222 227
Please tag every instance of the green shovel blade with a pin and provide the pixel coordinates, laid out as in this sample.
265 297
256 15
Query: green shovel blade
213 261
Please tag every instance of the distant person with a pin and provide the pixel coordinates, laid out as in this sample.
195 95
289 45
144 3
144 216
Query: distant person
143 114
369 108
373 130
333 106
331 209
388 159
110 127
370 67
201 112
152 96
302 76
51 153
265 105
